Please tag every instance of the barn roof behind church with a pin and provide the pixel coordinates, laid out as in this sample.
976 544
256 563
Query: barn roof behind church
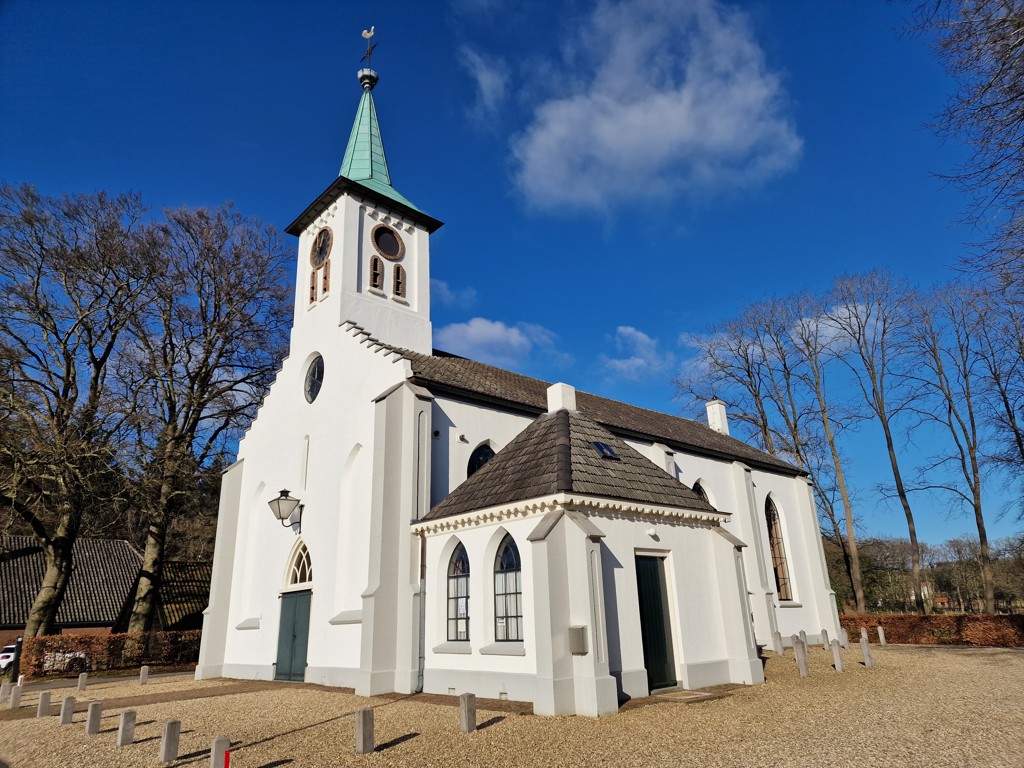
565 452
478 380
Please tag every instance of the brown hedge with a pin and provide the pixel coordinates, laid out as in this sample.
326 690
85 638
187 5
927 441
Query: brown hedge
964 629
58 655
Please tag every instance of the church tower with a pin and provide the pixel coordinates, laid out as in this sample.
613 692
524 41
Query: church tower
364 249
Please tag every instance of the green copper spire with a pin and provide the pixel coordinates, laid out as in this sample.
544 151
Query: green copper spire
364 160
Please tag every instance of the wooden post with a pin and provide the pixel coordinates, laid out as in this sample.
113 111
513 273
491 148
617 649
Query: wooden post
67 710
801 658
865 648
126 728
218 752
777 642
43 708
467 713
824 640
92 717
364 732
837 657
169 741
881 635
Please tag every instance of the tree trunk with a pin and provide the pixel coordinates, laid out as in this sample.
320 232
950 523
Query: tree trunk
42 616
151 575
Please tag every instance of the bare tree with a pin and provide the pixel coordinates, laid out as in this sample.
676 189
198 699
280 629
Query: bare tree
206 343
950 370
69 277
872 313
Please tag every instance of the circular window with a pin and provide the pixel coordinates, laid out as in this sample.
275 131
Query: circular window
321 248
388 242
314 378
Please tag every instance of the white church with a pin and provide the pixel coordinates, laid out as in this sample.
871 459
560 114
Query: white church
451 527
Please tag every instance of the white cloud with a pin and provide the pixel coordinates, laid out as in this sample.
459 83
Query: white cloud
638 356
491 77
494 342
447 296
670 97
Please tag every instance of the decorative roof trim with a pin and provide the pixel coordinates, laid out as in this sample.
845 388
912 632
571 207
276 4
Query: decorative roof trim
561 502
340 186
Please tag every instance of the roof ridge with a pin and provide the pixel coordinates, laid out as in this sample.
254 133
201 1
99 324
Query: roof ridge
563 452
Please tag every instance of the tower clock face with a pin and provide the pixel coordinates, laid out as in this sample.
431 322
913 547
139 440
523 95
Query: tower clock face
321 248
388 242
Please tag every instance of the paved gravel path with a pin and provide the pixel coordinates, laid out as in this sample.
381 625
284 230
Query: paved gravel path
921 706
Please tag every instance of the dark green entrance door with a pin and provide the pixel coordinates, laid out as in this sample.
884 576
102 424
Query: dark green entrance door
654 622
293 636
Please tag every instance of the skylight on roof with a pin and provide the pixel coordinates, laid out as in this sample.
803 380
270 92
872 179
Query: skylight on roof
605 451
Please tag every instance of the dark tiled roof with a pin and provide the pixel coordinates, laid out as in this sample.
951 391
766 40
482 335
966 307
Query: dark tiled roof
184 594
459 375
556 454
103 572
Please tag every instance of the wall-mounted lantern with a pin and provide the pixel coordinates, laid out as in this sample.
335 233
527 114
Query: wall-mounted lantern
284 507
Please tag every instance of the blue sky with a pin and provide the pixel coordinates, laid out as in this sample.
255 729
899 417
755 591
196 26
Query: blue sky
612 176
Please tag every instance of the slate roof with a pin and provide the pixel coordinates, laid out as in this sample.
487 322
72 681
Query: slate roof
183 596
445 372
556 454
103 572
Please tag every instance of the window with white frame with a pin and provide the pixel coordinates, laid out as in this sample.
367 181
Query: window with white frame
301 569
508 592
458 595
778 551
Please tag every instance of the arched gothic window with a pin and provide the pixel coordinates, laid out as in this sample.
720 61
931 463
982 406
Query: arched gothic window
778 551
478 458
301 569
377 272
312 287
326 282
699 490
508 592
458 595
399 280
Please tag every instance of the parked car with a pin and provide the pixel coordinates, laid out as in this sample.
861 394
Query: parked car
7 657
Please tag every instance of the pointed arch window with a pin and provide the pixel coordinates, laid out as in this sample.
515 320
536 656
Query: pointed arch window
478 458
377 272
699 490
301 569
778 548
458 595
325 286
312 287
508 592
399 281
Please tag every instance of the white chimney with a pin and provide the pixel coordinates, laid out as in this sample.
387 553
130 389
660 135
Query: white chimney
717 418
561 396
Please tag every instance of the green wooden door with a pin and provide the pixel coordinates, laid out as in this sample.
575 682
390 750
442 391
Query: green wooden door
654 622
293 636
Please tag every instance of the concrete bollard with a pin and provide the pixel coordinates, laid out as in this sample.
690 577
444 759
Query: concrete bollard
824 640
5 692
93 716
67 710
143 674
43 708
15 697
803 637
801 658
364 732
126 728
169 741
218 751
881 635
837 657
865 648
864 635
21 679
844 638
83 680
467 713
777 642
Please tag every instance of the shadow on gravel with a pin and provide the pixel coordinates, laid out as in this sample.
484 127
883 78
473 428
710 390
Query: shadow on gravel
395 742
488 723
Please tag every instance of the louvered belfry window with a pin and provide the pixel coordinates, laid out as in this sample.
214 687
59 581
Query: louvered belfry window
508 592
458 595
399 280
778 551
377 272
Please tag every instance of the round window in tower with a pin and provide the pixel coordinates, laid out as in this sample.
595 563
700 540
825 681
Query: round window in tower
314 378
388 242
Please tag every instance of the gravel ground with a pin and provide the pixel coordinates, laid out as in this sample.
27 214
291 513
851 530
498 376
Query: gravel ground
919 706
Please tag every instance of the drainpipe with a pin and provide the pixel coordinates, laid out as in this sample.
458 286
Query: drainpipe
423 613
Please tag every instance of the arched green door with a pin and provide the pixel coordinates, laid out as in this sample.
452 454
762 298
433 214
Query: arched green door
293 636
